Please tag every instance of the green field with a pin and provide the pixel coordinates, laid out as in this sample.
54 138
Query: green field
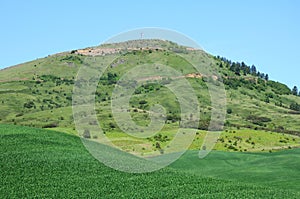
278 169
46 164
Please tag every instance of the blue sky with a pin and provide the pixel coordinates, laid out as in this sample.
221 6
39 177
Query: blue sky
264 33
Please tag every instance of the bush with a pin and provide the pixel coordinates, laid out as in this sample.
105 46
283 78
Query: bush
258 120
112 125
295 106
29 104
86 133
157 145
143 102
51 125
229 111
19 114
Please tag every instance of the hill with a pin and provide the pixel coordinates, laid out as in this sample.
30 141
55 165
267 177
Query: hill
46 164
39 94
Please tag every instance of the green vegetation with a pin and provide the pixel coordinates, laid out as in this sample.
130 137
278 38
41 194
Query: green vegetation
245 140
47 164
248 160
277 169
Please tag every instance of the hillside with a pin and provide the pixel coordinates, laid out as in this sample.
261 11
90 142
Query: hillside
39 94
48 164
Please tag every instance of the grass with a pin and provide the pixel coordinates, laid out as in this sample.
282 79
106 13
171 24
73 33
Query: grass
39 163
256 140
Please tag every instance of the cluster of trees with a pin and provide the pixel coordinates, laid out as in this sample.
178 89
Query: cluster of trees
242 68
109 79
234 83
146 88
72 58
51 78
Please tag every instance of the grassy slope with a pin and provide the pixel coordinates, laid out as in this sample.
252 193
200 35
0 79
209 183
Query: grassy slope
250 140
44 164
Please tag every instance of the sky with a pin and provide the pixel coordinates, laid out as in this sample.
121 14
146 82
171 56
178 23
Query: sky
264 33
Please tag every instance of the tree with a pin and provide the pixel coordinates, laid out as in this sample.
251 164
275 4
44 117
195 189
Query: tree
253 70
111 78
235 67
245 68
267 77
295 90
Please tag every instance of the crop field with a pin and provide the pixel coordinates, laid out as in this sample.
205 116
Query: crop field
48 164
278 169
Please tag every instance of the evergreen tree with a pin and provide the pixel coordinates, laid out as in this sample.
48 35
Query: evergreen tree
295 90
267 77
253 70
258 73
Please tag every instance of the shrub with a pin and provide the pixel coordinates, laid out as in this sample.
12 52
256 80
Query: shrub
51 125
229 111
29 104
143 102
19 114
295 106
258 120
157 145
112 125
86 133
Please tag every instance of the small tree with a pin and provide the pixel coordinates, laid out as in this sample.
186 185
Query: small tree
229 111
295 90
267 77
253 70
